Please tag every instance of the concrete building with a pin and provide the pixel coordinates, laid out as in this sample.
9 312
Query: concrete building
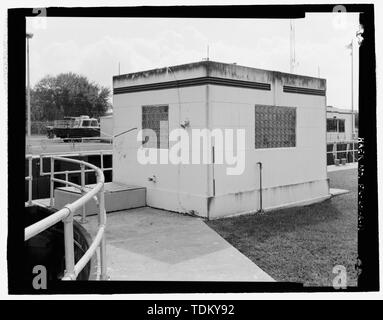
283 117
342 135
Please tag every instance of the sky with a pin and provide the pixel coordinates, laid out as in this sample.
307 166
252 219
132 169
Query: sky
94 47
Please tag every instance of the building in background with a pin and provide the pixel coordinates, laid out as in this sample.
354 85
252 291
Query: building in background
339 125
342 135
284 118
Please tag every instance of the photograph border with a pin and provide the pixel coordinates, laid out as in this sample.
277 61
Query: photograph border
368 241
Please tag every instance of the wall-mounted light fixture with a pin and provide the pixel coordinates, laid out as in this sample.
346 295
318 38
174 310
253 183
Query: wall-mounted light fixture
185 124
153 178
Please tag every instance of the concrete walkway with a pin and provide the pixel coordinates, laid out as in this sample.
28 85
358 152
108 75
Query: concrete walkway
151 244
337 192
347 166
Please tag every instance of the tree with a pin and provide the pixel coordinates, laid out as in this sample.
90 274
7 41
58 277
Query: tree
68 95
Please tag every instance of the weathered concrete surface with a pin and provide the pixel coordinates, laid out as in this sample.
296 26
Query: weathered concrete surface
118 196
337 192
218 96
152 244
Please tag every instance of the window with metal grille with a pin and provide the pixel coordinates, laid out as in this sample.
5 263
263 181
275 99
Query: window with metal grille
332 125
156 118
275 127
341 125
335 125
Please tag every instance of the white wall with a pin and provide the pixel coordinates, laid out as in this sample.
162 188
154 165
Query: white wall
290 175
106 126
234 108
178 187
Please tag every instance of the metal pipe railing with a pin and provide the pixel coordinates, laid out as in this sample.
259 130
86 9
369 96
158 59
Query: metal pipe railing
102 222
83 215
99 239
73 269
31 157
46 223
101 153
69 183
82 172
260 188
29 178
52 183
70 154
348 151
73 171
69 247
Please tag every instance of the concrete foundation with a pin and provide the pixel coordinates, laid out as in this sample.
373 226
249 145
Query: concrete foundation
118 197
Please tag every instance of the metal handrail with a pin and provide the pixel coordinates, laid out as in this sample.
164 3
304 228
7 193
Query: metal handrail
72 270
82 171
32 157
71 153
29 178
334 152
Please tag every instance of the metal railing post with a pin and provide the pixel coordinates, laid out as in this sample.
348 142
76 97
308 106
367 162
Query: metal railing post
83 213
66 177
51 203
260 188
102 223
69 247
102 161
347 151
73 268
30 174
336 151
41 165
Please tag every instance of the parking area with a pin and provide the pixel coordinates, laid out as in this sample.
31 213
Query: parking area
41 144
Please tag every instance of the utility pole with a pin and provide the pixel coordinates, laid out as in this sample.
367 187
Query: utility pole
28 36
351 46
352 88
292 46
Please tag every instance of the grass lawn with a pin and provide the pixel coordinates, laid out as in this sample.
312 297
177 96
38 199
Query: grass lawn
302 244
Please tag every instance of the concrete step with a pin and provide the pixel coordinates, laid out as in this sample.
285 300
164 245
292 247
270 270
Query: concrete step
118 196
45 202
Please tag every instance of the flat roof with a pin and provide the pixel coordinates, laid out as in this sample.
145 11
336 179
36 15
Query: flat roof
339 110
208 64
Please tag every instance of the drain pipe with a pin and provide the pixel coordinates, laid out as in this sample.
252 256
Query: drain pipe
260 187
